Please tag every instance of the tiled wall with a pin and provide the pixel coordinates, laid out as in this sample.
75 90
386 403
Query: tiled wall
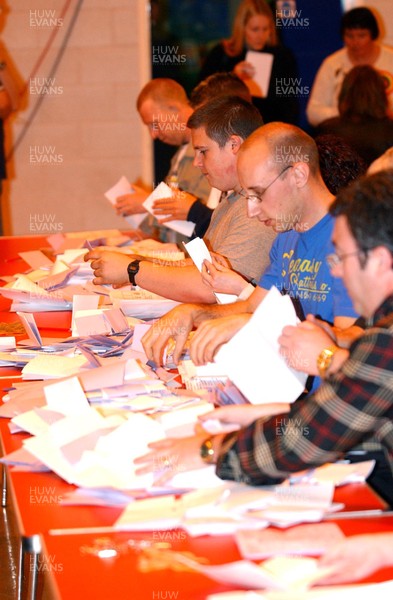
86 133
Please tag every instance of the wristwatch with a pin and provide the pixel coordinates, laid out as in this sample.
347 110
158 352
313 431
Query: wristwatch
132 270
207 451
324 360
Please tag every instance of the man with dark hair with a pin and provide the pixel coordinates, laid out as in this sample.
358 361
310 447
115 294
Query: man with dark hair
354 405
278 167
244 243
340 164
219 84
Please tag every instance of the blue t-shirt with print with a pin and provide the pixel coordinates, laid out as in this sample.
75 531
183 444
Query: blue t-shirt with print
299 268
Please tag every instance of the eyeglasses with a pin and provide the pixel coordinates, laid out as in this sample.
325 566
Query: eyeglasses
333 260
257 198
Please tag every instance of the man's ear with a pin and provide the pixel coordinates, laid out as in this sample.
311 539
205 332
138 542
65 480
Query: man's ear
382 258
301 171
235 141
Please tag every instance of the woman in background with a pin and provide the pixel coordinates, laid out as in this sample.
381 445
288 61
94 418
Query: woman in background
363 120
254 29
360 33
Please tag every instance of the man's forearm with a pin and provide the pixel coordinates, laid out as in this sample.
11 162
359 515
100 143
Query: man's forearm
203 313
183 284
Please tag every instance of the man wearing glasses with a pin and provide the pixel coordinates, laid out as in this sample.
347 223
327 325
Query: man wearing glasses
354 404
278 170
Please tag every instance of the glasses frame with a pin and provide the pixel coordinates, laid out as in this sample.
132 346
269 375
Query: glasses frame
334 259
258 198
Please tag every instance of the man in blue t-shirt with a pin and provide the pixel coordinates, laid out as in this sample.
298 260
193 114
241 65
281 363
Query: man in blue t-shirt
279 171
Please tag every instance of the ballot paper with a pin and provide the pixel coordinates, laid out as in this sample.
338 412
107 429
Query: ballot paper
377 591
308 540
36 259
121 188
94 451
165 513
252 356
280 573
7 343
262 63
336 473
46 366
164 191
199 252
28 322
141 303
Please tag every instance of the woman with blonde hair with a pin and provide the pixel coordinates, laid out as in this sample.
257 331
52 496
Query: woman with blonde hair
254 29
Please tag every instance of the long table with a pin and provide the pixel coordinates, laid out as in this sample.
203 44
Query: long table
69 559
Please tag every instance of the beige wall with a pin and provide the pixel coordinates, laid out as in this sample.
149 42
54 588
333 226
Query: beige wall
87 132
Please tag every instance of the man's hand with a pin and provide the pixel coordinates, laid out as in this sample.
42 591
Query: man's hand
301 345
173 208
221 279
171 456
244 70
176 324
356 557
210 335
131 204
109 267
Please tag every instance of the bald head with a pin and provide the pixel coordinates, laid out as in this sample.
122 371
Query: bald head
281 144
163 91
278 167
163 106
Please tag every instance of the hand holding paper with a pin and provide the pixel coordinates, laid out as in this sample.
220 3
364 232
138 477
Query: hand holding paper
164 191
128 201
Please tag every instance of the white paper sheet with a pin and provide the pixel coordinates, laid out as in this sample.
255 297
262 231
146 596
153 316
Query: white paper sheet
164 191
199 252
121 188
252 356
262 63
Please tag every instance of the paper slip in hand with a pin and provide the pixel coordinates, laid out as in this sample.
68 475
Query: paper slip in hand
121 188
262 63
199 252
164 191
254 362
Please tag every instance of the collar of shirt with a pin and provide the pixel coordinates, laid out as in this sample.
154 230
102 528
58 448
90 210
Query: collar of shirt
383 316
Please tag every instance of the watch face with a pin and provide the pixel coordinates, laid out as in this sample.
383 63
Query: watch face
132 270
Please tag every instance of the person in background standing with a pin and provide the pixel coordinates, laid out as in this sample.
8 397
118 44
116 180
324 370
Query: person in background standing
254 29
